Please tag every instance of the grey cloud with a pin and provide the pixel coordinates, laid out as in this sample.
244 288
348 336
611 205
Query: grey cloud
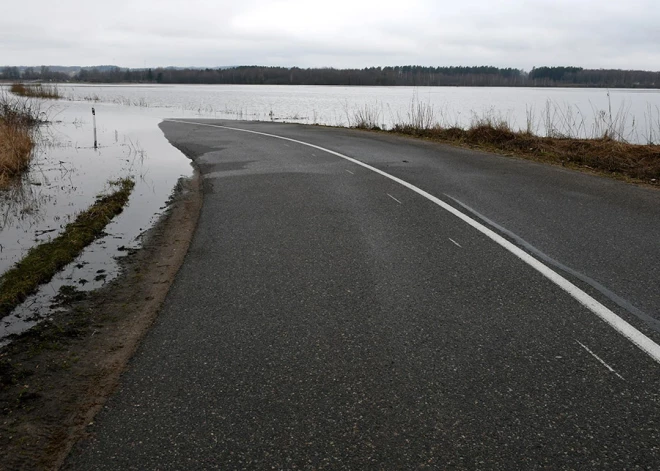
358 33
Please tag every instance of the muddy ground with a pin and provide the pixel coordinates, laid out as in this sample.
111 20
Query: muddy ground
57 376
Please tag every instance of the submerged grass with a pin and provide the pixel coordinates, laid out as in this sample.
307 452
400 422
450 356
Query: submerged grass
43 261
36 91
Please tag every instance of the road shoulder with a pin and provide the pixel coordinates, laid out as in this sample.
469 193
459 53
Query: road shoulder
55 378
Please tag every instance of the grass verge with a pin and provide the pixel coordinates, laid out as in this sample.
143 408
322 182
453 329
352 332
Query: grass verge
607 149
56 376
36 91
45 260
615 158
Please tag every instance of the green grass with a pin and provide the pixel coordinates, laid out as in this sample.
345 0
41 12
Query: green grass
42 262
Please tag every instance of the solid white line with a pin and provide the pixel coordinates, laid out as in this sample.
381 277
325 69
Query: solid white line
352 173
651 321
394 198
599 359
455 242
624 328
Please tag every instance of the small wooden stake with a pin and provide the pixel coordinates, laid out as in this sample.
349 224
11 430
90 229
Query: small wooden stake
94 117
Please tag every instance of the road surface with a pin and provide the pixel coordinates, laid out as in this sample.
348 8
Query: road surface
357 300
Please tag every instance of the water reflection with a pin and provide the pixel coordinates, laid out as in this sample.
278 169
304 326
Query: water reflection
68 172
634 114
65 177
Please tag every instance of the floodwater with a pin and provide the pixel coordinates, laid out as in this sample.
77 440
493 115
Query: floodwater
633 115
66 175
68 172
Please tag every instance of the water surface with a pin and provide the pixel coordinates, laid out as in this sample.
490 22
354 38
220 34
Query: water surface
68 172
633 114
65 177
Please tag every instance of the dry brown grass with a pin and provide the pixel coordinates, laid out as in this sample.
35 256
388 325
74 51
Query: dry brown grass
36 91
18 118
635 161
15 150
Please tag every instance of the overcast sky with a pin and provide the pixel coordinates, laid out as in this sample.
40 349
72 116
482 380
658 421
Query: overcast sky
332 33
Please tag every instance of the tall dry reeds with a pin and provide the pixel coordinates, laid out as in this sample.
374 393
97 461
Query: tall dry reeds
36 91
18 118
604 146
419 116
640 162
365 116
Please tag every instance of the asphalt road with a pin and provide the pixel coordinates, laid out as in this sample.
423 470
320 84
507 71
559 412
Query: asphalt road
329 317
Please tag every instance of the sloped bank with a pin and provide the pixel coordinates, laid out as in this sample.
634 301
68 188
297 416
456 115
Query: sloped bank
635 163
56 376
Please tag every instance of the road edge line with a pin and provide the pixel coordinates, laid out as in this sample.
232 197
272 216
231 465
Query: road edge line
620 325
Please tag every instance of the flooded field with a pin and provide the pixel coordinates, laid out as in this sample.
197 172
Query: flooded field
68 172
634 115
66 175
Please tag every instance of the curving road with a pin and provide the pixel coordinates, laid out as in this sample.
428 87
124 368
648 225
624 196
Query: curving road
357 300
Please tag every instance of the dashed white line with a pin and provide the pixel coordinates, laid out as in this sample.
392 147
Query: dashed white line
455 243
603 312
394 198
600 360
352 173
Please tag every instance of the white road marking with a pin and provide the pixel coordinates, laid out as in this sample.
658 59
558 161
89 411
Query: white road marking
618 300
352 173
455 242
599 359
394 198
620 325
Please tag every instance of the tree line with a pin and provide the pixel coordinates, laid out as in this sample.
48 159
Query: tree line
408 75
43 73
577 76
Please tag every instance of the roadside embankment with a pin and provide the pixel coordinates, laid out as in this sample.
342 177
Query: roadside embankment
604 145
55 377
640 163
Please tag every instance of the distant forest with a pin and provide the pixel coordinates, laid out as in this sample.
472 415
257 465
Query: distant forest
408 75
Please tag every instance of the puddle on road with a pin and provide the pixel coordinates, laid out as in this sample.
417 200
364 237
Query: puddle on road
65 177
